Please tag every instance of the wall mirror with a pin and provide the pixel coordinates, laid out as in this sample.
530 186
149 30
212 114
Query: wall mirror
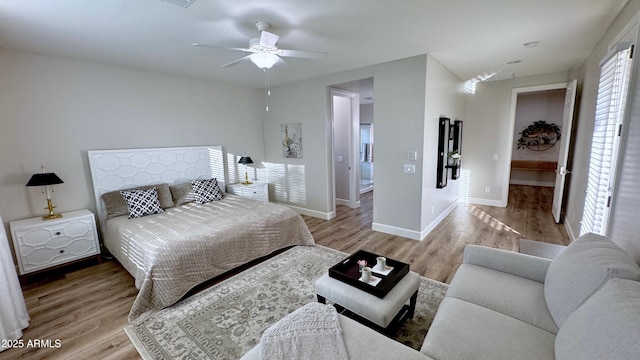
444 135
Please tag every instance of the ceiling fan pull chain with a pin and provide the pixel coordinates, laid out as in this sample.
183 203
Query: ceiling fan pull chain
266 80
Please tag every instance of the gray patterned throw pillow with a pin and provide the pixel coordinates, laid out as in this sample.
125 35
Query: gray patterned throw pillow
142 202
206 190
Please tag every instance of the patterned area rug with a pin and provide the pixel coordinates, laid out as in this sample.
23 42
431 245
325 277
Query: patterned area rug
227 319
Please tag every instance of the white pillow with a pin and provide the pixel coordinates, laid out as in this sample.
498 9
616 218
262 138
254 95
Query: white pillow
206 190
142 202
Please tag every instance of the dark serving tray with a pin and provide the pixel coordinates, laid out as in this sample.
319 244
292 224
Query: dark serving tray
348 272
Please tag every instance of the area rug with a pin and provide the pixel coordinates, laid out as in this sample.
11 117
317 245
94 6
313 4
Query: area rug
227 319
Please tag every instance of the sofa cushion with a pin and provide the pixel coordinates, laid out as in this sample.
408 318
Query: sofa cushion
508 294
581 269
606 326
538 248
462 330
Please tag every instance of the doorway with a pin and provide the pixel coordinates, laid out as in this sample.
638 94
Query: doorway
541 124
352 135
345 118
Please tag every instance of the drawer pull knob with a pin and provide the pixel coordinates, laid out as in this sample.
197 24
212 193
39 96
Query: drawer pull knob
58 232
61 251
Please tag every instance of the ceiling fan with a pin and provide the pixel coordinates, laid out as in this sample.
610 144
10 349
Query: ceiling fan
264 50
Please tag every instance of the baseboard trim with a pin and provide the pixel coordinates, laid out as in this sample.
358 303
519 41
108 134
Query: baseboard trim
312 213
398 231
436 221
569 230
343 202
488 202
346 203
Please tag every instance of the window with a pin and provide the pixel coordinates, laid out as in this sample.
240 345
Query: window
615 71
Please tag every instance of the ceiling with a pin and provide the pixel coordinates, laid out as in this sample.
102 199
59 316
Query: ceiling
470 37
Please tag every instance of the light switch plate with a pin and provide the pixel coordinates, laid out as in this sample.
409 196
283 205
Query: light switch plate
340 159
409 168
412 155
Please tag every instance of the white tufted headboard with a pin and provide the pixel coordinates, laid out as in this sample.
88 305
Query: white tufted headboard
120 169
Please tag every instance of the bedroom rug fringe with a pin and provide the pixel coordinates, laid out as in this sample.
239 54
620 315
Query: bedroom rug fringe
227 319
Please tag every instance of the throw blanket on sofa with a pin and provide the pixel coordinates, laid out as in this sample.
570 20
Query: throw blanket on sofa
311 331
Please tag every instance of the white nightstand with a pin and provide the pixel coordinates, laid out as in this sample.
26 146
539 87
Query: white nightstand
259 190
41 244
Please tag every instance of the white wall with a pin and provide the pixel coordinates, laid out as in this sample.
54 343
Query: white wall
547 106
399 112
366 114
486 133
53 110
444 98
400 92
400 89
624 227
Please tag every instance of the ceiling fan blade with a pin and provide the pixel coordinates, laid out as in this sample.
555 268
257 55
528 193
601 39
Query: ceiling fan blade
268 39
236 62
222 47
302 54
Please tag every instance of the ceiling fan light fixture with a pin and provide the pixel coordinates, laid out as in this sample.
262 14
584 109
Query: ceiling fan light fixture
263 60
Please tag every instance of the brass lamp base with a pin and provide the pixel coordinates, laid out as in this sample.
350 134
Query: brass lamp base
51 214
246 179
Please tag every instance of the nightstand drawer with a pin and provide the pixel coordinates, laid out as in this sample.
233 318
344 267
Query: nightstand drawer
41 244
54 235
36 258
258 190
254 192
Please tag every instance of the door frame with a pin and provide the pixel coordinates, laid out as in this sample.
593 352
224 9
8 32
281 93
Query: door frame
512 123
353 136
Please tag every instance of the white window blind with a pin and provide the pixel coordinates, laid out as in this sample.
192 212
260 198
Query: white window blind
615 71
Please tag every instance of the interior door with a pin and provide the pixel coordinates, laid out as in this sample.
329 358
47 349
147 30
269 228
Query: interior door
561 170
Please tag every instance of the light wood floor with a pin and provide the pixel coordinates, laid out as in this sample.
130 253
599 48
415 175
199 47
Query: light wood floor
527 215
87 308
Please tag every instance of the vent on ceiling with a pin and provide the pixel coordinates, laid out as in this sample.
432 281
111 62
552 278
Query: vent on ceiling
181 3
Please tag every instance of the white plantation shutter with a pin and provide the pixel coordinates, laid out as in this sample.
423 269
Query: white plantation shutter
615 71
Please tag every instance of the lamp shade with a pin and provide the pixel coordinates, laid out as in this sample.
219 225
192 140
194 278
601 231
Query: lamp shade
245 160
44 179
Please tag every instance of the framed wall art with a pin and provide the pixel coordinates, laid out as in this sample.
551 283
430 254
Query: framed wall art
291 140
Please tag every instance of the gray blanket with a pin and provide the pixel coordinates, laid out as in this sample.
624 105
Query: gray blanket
170 253
312 331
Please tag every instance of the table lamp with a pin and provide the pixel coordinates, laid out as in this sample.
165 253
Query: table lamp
45 180
246 160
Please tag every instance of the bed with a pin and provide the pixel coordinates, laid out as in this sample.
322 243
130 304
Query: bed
188 243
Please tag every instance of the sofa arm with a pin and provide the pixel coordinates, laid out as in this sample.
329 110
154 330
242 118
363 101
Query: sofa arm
526 266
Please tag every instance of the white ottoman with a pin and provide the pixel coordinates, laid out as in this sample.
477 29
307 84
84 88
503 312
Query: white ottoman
385 314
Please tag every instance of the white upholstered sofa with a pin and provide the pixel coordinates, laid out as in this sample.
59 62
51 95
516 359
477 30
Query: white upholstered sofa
584 304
